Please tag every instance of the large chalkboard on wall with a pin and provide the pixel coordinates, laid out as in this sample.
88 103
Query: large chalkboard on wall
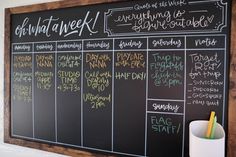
122 78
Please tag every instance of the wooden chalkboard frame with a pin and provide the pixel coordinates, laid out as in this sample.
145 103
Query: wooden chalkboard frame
7 80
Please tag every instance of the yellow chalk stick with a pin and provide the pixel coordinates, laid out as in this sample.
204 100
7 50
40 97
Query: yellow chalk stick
210 124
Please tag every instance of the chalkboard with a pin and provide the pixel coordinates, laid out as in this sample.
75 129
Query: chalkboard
121 78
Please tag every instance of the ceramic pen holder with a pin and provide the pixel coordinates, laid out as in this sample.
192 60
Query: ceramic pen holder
199 146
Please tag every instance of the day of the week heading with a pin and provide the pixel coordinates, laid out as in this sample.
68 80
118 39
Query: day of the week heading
98 45
166 43
165 106
69 46
131 43
22 47
44 47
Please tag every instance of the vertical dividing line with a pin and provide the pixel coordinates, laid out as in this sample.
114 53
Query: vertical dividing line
55 88
113 72
225 74
81 103
33 88
185 81
11 77
145 151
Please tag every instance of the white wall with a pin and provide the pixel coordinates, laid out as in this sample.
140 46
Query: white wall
5 149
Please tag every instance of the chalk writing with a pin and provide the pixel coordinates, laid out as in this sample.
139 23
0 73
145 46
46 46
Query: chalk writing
22 76
44 61
22 47
98 80
68 81
130 44
69 60
47 26
166 107
69 45
44 80
208 82
68 73
164 125
130 76
144 6
205 65
130 59
162 42
160 4
153 20
207 61
206 99
205 92
98 44
208 89
173 3
97 101
45 47
22 92
206 42
206 96
96 60
207 102
167 70
22 61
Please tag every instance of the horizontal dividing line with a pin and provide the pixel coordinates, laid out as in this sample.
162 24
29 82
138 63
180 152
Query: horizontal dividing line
22 43
69 51
130 37
198 11
22 52
125 24
165 100
97 50
35 139
188 49
19 136
45 52
167 32
165 113
126 8
77 146
131 50
134 37
115 50
202 1
222 49
166 49
207 49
